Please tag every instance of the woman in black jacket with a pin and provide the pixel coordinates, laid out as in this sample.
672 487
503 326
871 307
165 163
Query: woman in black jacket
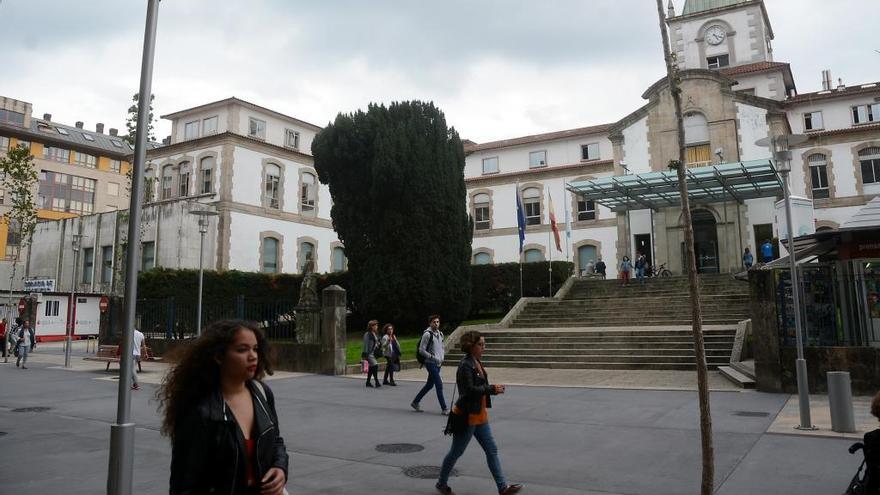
221 418
872 452
471 413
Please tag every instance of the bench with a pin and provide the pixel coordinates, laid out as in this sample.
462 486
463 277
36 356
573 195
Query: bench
110 354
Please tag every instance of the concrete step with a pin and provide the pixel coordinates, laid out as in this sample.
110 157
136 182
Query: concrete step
736 377
620 323
596 365
605 358
495 351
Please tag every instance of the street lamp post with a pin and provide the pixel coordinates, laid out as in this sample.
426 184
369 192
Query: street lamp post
781 147
71 320
203 229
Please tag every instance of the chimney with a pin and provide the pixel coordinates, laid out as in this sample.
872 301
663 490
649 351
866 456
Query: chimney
99 128
79 125
670 10
826 80
114 132
840 85
47 117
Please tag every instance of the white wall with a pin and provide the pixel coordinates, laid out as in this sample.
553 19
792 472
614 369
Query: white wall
635 147
752 127
156 165
836 113
247 183
221 114
275 128
244 252
738 21
766 85
759 211
516 158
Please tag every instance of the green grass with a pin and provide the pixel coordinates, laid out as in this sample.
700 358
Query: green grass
355 343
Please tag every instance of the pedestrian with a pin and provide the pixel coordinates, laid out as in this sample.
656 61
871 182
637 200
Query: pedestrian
625 267
472 412
371 350
872 452
767 251
641 262
3 338
600 268
23 345
33 338
748 259
591 268
220 417
137 344
391 351
431 350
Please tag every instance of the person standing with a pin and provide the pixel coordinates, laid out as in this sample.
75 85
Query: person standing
391 351
473 403
600 268
431 349
641 262
872 452
220 416
137 344
23 345
625 267
748 259
369 351
3 338
767 251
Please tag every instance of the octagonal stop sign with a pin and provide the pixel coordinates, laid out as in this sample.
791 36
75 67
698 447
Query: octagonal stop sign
22 304
104 304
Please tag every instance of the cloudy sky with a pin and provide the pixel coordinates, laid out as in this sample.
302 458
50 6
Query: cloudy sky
497 68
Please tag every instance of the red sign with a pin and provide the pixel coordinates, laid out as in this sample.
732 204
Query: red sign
21 305
104 304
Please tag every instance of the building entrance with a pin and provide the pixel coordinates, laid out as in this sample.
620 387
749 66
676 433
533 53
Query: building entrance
705 241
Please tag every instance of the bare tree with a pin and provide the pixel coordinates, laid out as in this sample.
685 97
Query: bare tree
680 166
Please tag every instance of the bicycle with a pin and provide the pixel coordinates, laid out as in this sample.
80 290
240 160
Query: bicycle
660 271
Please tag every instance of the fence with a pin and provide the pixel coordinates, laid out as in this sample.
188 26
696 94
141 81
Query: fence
170 318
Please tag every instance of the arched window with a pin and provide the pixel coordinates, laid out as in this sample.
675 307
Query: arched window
870 161
167 182
149 183
183 180
206 175
533 256
482 258
307 194
482 221
270 255
698 152
306 253
586 255
531 198
818 175
338 259
272 186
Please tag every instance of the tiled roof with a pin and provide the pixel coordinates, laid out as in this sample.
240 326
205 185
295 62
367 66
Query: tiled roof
752 68
73 137
868 216
694 6
537 138
845 130
847 92
233 99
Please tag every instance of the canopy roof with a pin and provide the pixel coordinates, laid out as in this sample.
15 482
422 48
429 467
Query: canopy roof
710 184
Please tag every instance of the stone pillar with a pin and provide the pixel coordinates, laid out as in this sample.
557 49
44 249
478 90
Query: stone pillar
333 302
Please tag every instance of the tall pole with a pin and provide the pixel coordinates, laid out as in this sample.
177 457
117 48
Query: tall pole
119 475
202 230
801 363
71 320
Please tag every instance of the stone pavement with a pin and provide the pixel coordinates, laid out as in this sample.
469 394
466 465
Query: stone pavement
555 439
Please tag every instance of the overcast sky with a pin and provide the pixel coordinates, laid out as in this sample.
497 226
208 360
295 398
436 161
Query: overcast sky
497 68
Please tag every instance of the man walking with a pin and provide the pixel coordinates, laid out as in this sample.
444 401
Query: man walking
431 349
138 342
23 344
600 268
640 267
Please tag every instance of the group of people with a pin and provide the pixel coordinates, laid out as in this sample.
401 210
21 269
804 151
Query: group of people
214 396
627 266
18 341
767 255
385 347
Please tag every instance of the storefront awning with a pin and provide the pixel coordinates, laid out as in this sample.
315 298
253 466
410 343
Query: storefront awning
709 184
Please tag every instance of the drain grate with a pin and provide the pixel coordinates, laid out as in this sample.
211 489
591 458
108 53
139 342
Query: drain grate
32 409
751 414
425 472
399 448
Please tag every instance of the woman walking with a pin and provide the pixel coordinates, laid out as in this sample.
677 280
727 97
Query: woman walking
221 418
472 412
372 347
391 351
23 345
625 268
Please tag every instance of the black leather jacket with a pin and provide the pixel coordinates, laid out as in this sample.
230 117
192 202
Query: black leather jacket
472 387
208 455
872 461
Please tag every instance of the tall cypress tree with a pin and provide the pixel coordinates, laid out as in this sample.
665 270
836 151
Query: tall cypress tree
396 175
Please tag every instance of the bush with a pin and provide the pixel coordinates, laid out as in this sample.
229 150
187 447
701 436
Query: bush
495 288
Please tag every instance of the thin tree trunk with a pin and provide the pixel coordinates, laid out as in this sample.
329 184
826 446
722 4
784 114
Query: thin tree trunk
708 477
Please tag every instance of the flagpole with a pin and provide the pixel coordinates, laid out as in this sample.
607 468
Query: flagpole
565 205
550 246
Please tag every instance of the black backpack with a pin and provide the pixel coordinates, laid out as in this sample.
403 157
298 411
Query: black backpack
429 347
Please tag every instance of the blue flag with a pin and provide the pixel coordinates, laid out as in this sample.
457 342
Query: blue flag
520 221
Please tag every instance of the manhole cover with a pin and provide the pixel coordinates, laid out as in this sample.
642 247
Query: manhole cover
399 448
32 409
751 414
425 472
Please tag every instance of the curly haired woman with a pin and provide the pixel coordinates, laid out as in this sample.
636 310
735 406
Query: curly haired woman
221 419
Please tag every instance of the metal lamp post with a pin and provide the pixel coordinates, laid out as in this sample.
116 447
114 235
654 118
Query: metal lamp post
71 321
781 148
203 229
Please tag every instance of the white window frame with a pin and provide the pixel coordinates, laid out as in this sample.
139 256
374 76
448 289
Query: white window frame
291 139
538 159
811 119
112 189
489 160
272 187
717 62
486 223
148 263
532 206
821 166
206 175
115 166
212 120
184 176
275 262
308 194
191 130
587 152
166 185
870 112
256 128
588 214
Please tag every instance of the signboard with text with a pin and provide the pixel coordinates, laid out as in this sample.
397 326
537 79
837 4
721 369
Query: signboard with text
39 284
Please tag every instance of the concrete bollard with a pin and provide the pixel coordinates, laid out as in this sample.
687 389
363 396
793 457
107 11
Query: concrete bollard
840 402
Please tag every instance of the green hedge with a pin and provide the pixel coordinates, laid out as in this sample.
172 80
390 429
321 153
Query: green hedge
495 288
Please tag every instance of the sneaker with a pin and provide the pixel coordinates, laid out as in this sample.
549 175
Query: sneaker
377 385
369 384
445 412
393 384
23 367
444 489
416 406
507 490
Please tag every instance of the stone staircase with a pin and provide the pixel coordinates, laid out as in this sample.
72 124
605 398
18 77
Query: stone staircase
600 324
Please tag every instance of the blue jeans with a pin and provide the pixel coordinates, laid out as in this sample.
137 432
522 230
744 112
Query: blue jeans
640 274
434 380
459 444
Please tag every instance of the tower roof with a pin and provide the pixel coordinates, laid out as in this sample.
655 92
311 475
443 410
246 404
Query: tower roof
694 6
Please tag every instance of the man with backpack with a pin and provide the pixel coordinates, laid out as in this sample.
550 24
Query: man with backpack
431 355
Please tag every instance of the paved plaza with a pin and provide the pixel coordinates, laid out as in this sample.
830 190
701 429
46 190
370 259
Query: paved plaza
637 439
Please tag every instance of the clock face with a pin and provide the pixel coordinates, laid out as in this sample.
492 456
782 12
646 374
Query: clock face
715 35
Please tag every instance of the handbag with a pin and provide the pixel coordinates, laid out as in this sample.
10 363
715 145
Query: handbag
395 367
365 366
455 422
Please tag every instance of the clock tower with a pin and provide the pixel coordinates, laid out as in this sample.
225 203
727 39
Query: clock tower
713 34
